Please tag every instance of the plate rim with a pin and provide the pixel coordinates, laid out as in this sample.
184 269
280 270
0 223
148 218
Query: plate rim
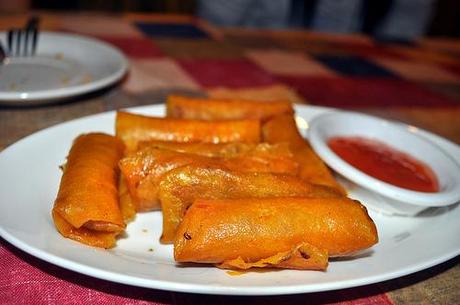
52 95
201 288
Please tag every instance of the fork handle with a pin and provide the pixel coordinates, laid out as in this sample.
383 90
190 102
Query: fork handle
32 23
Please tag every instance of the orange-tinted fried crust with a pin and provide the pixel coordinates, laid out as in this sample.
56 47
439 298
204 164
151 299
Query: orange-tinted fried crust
86 236
224 109
269 93
127 206
134 128
262 150
87 207
144 169
180 187
312 168
297 233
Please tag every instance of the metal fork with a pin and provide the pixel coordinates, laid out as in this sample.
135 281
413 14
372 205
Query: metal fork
2 53
23 42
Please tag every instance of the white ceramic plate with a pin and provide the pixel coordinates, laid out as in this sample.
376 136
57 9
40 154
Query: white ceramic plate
65 65
29 177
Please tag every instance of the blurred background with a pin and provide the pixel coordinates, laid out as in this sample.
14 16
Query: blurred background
384 19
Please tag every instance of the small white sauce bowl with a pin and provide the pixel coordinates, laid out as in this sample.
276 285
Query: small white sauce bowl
402 137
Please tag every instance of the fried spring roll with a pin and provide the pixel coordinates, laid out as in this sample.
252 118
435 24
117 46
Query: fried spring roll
312 168
143 170
259 93
133 128
199 148
180 187
127 206
296 233
279 151
224 109
83 235
87 207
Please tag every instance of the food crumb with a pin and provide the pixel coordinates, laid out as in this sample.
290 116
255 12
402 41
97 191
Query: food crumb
150 249
235 273
144 230
86 78
65 80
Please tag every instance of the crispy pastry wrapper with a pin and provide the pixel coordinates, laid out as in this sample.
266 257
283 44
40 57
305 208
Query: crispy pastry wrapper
83 235
134 128
180 187
224 109
144 170
260 150
284 129
127 205
283 232
87 205
264 93
302 256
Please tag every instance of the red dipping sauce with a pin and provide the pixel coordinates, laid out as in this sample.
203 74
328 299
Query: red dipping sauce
385 163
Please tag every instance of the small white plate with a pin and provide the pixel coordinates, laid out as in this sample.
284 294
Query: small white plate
65 65
29 179
402 137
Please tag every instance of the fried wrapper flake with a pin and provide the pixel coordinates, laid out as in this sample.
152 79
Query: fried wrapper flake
87 206
284 129
294 233
303 256
144 170
180 187
224 109
134 128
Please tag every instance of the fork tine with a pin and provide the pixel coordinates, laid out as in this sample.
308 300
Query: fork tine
34 33
23 42
31 30
10 41
18 42
2 53
26 43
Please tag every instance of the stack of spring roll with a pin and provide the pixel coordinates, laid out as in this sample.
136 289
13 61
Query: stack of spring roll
237 184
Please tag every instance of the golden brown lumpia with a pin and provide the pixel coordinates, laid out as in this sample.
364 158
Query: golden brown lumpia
83 235
278 152
312 168
87 207
180 187
260 93
127 206
224 109
199 148
297 233
144 169
134 128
